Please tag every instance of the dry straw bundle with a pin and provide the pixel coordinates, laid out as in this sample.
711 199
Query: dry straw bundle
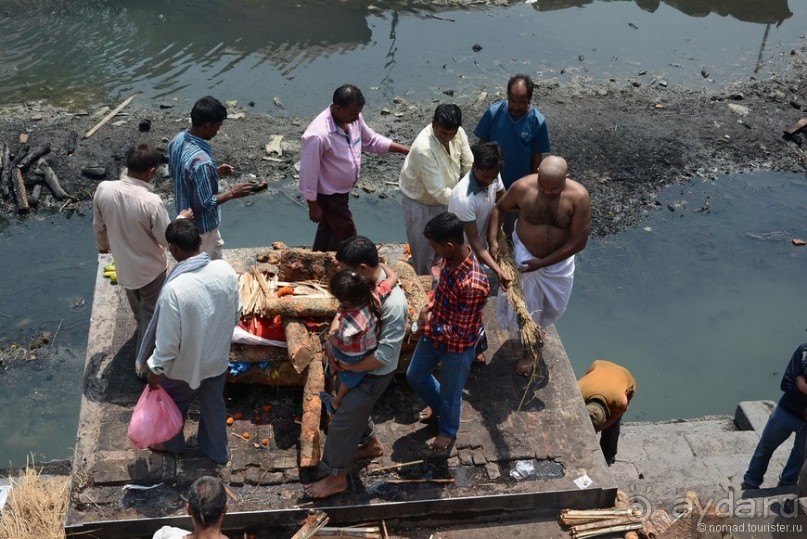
530 334
36 507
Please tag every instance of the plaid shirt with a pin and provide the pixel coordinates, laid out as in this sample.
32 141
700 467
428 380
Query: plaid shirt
456 315
359 328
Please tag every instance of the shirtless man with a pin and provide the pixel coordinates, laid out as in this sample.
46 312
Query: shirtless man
554 221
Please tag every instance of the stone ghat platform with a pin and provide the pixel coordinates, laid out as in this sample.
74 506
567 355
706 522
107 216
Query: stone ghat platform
551 431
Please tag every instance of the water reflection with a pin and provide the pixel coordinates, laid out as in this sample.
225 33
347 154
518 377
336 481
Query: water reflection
769 12
253 50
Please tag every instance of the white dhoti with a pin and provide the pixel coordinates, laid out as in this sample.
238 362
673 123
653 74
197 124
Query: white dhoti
546 291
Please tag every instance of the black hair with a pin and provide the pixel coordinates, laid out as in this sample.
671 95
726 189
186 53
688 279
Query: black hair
184 234
208 110
521 77
357 250
448 115
208 500
142 157
347 95
487 155
444 228
352 288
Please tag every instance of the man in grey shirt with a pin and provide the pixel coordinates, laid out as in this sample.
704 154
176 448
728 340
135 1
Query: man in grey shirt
351 435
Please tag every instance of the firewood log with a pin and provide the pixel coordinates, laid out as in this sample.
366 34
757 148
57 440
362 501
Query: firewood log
20 194
51 180
312 413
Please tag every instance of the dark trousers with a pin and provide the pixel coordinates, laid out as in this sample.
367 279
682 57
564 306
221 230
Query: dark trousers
337 222
212 434
143 301
609 439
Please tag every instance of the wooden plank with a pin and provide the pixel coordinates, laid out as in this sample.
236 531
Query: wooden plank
312 412
109 116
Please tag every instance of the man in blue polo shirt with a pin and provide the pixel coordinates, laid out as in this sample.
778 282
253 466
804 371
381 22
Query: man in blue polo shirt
520 130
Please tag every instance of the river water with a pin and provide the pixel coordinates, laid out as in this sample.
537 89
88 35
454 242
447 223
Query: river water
700 309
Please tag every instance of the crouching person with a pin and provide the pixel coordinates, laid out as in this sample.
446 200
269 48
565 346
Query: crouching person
196 313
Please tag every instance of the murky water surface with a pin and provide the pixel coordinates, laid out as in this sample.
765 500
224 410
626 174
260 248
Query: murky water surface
702 312
254 50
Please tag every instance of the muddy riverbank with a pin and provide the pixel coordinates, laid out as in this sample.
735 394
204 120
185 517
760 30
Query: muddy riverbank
624 139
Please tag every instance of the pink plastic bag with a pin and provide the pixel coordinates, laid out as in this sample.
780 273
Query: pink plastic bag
155 419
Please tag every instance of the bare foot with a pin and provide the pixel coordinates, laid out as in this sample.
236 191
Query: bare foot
328 486
427 415
442 443
524 367
370 450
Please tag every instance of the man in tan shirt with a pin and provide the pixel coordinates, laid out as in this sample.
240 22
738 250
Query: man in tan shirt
437 159
607 388
130 221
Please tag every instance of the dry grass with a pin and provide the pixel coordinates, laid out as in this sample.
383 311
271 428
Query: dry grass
36 507
530 334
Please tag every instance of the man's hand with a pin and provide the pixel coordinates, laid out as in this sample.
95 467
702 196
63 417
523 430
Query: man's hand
530 265
154 380
423 317
504 280
225 169
314 212
185 214
240 190
327 348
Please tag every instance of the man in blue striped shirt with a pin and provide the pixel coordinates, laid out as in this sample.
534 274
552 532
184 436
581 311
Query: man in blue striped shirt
196 176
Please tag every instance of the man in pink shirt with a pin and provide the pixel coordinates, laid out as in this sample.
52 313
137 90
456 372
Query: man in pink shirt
130 221
330 164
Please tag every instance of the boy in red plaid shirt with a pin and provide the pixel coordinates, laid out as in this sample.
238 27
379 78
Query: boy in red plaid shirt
450 327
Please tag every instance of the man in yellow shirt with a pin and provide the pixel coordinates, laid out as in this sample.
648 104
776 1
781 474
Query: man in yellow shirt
607 388
437 159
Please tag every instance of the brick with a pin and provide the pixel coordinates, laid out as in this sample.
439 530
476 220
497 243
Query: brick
493 471
237 479
252 475
478 456
465 457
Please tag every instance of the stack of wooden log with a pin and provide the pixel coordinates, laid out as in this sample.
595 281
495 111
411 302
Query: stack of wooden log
24 167
585 523
288 285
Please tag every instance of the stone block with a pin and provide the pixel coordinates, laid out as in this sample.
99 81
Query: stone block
733 443
465 456
493 471
478 457
291 475
252 476
237 479
112 472
753 415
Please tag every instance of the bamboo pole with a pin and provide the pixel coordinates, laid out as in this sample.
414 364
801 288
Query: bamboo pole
109 116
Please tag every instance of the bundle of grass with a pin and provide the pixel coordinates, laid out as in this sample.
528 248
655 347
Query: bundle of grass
530 334
36 506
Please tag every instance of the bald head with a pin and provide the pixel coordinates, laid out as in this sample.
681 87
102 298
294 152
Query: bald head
553 168
552 176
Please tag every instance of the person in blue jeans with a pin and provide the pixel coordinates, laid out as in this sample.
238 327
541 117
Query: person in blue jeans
450 326
789 416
